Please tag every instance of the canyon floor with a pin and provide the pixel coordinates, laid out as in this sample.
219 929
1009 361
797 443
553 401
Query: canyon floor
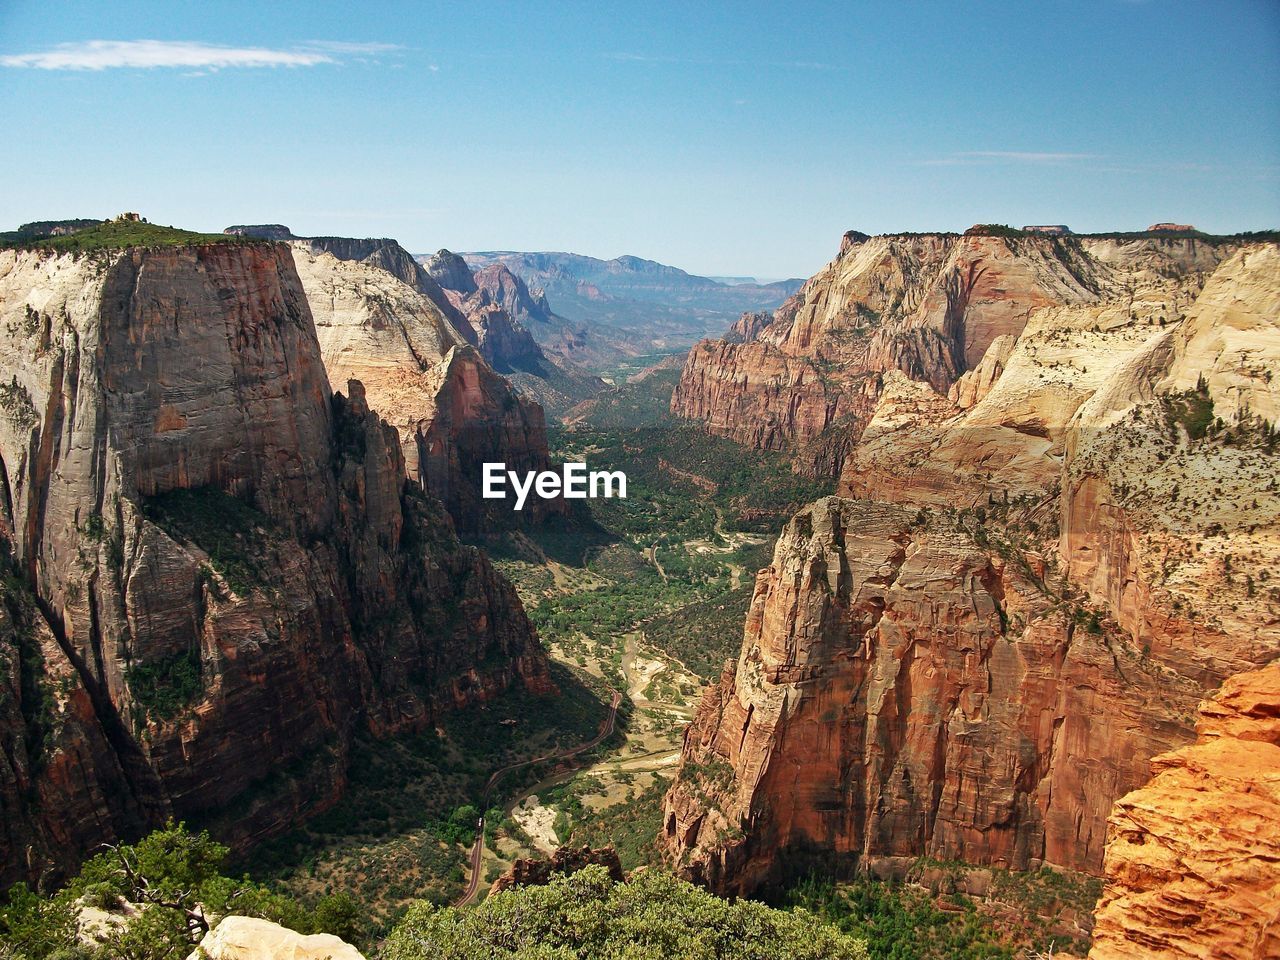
645 596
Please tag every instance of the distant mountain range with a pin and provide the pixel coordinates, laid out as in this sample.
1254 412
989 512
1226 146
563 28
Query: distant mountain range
657 306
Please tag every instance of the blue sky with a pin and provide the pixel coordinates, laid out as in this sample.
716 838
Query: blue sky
724 138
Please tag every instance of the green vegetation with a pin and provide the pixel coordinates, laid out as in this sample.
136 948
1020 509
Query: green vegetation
705 633
17 405
119 234
162 895
233 534
165 687
902 923
929 917
643 404
400 832
20 652
1190 409
587 915
994 230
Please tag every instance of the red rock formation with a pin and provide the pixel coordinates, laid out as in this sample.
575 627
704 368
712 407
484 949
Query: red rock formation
503 313
230 569
1193 857
909 687
902 691
538 871
929 306
452 411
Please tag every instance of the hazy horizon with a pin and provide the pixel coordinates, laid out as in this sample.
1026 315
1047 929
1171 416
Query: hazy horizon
727 140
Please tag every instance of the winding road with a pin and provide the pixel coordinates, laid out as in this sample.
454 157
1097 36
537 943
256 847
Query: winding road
477 849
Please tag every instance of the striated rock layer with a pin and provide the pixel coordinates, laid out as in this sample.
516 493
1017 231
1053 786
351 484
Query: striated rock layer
905 691
1046 567
219 567
929 306
1193 860
453 412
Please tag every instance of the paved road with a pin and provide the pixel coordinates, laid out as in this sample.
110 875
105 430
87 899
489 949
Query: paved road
477 849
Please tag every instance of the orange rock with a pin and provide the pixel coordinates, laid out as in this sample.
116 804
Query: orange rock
1193 857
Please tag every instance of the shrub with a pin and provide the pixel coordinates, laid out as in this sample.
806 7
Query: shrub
587 914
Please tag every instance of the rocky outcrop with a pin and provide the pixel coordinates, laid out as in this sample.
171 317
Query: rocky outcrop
228 571
261 231
502 313
1046 568
249 938
906 690
450 271
388 255
928 306
748 327
539 871
499 308
1193 857
452 411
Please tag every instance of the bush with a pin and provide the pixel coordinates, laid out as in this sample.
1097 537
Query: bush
587 914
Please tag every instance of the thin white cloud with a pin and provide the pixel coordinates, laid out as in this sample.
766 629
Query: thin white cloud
188 55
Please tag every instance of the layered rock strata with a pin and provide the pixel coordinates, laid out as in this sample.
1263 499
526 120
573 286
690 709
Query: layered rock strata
1078 544
904 690
219 569
1193 860
928 306
452 411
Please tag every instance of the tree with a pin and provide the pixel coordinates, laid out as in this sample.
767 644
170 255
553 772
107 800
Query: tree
587 914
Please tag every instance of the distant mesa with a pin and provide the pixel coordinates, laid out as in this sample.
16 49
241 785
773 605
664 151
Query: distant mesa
1171 228
261 231
1048 229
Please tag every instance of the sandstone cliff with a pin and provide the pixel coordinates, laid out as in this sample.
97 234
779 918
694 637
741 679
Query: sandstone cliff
219 568
453 413
504 316
1077 544
929 306
388 255
1193 857
908 687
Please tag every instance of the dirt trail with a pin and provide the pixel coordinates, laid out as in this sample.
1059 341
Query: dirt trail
477 849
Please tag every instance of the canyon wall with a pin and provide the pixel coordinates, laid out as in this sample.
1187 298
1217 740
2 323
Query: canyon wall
927 305
1191 862
904 690
452 411
1042 569
512 325
217 569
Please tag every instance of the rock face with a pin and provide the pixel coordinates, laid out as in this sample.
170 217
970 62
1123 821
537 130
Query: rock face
929 306
906 691
538 872
248 938
219 567
1045 568
503 314
453 412
388 255
262 231
1191 862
